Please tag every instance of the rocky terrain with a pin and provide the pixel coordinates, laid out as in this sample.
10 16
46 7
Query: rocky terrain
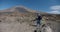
19 19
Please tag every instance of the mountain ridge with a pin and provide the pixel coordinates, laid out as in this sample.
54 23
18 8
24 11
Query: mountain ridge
21 9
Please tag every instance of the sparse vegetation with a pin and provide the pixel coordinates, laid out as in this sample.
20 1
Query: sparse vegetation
21 21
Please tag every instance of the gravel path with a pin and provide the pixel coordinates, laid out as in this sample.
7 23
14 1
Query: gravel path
15 27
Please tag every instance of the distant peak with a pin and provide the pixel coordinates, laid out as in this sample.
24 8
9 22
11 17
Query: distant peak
20 6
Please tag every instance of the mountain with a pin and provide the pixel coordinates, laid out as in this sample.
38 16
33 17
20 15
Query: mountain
12 9
21 9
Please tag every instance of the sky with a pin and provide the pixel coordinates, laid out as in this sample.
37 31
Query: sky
50 6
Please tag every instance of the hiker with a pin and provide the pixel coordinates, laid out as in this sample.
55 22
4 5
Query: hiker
38 19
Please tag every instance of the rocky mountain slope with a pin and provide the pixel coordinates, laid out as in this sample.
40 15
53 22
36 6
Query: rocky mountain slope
19 19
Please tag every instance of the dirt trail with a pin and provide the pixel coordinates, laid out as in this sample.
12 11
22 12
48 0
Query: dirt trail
15 27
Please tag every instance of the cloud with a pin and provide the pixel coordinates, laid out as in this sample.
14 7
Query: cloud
54 12
55 9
